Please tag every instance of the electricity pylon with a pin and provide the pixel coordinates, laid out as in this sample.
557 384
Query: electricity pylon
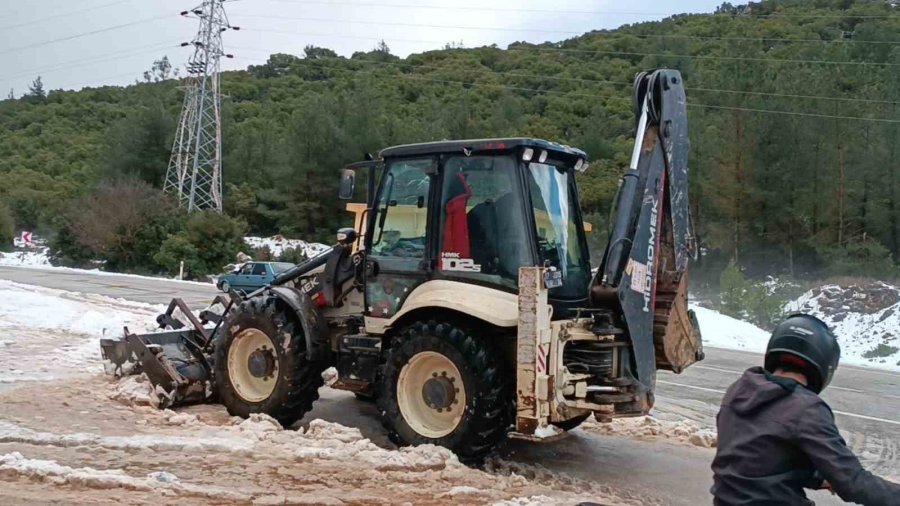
195 168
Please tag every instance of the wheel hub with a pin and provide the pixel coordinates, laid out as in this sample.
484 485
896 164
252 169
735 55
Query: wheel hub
431 394
252 365
261 363
439 392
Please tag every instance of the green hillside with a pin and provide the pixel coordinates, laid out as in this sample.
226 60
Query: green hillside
793 117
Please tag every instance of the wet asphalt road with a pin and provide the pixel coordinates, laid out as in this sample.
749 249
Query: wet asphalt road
866 403
140 289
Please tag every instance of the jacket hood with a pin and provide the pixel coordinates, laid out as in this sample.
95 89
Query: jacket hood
756 389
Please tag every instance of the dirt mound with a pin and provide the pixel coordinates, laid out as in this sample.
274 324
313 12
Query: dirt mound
864 316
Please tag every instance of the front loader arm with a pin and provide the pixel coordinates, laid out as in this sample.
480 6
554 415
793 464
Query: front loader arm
651 242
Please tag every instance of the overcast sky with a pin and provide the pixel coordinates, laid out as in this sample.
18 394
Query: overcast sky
130 34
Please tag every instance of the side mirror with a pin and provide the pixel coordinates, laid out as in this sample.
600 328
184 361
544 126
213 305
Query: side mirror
348 184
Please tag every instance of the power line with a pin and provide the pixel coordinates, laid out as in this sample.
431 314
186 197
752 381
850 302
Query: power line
480 8
567 32
757 39
469 8
62 15
417 25
85 34
791 113
597 51
591 95
712 58
47 69
791 95
615 83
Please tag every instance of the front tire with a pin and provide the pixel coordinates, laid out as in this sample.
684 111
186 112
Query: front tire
443 386
225 286
261 365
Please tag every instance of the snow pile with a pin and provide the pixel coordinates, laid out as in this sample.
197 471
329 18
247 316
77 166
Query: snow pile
682 431
26 258
721 331
277 244
864 316
135 391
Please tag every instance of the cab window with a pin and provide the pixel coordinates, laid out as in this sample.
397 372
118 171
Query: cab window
483 228
259 269
403 209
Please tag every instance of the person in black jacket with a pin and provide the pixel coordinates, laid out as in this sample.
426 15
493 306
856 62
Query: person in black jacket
777 437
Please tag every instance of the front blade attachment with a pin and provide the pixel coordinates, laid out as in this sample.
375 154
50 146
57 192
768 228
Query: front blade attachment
175 361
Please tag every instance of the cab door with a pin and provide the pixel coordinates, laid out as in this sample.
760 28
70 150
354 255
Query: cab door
399 247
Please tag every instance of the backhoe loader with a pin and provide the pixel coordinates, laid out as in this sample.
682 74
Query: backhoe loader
463 301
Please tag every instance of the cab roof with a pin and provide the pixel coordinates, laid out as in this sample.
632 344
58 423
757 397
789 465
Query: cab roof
476 145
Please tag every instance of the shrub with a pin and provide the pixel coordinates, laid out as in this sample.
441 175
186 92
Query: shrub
122 223
65 250
753 301
293 255
263 254
732 285
208 242
175 249
882 350
859 257
7 228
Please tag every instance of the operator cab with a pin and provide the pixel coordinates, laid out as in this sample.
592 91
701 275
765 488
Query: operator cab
474 211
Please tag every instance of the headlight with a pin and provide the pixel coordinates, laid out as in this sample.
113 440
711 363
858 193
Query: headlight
527 154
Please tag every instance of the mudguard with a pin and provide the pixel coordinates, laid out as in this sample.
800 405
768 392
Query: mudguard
315 329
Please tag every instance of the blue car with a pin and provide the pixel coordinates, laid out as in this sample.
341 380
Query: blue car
251 275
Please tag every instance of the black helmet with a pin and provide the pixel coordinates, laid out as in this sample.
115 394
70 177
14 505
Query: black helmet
805 337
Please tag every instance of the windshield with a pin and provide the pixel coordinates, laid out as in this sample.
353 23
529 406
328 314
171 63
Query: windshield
280 267
561 242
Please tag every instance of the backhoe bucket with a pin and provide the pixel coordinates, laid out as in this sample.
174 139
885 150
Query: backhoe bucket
176 362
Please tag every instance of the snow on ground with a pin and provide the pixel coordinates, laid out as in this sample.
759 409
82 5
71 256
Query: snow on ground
277 244
71 435
865 317
56 332
26 258
649 427
721 331
38 259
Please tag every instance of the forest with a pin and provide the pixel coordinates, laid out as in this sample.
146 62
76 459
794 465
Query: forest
793 117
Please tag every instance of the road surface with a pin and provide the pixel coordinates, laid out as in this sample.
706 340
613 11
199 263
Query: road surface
136 288
866 403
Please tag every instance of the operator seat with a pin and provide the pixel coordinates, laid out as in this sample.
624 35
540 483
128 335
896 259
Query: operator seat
456 227
482 223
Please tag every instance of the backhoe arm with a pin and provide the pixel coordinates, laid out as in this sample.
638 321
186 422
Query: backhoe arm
652 239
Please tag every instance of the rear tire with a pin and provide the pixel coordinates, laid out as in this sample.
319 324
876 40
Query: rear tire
260 363
443 386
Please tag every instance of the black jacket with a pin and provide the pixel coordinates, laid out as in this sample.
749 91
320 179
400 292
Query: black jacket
776 438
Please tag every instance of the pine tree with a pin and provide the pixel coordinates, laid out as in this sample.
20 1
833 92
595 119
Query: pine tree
36 89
